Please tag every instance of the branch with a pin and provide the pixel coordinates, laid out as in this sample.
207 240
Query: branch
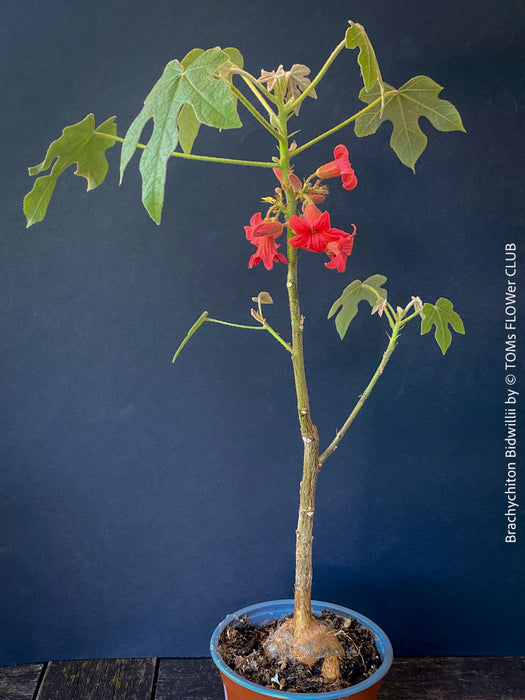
366 393
264 324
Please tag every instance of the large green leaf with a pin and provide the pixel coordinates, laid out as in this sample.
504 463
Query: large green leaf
187 122
78 144
212 102
348 302
441 315
356 37
404 107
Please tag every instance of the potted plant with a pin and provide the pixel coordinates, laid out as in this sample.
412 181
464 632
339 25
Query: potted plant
206 87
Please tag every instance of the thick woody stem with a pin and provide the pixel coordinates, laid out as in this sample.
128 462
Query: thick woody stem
304 537
303 638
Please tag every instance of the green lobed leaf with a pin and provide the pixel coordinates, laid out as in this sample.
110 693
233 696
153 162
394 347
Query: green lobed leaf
212 102
78 144
356 37
404 107
187 123
346 306
441 315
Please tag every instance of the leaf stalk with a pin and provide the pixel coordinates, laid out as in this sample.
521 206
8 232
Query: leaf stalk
320 75
257 88
208 159
264 326
336 128
254 112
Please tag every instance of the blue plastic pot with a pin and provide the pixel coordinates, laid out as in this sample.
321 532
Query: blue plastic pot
238 688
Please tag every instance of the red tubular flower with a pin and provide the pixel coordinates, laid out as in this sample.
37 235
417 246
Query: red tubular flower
339 167
263 234
313 231
339 250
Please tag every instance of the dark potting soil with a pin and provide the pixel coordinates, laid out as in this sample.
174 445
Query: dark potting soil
241 646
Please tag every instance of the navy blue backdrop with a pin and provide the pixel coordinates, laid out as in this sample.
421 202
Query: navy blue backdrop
140 502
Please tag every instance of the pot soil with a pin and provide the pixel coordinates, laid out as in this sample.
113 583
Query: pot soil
237 648
242 643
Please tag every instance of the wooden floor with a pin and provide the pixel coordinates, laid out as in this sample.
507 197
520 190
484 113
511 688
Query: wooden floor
415 678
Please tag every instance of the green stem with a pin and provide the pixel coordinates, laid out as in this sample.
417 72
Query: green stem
191 156
364 396
293 105
254 112
302 619
409 318
277 337
335 128
256 88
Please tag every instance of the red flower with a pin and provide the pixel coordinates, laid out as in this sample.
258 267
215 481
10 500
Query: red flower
339 250
313 231
339 167
263 234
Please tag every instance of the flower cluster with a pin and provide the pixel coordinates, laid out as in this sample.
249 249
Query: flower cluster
312 231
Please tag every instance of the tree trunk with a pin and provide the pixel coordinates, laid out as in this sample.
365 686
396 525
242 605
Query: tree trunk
304 536
303 638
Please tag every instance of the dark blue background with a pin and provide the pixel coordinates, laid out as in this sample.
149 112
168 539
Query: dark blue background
140 501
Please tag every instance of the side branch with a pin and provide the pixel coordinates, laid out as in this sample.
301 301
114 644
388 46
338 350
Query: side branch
264 324
366 393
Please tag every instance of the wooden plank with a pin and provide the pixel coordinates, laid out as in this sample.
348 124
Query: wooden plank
99 679
19 682
461 678
415 678
188 679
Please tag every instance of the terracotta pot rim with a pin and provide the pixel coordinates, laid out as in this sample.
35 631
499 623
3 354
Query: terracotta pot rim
278 608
